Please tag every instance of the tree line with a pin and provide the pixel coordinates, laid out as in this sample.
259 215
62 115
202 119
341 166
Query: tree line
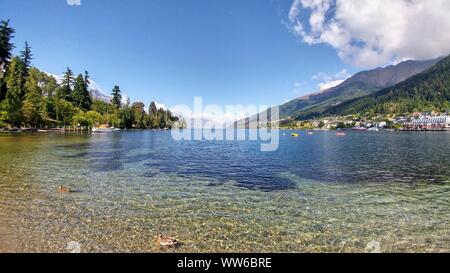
34 99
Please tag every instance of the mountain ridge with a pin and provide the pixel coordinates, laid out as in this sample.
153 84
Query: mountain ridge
429 90
359 85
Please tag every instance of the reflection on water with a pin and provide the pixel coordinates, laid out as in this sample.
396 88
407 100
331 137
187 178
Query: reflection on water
316 193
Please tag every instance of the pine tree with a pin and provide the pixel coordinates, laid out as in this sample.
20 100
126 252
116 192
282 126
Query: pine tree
6 47
126 116
77 92
14 95
87 98
153 109
3 88
80 94
153 116
66 86
87 78
26 56
117 97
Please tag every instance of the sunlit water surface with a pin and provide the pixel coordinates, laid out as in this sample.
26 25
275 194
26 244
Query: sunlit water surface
316 193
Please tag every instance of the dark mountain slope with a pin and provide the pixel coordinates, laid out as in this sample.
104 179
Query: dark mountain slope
427 91
360 85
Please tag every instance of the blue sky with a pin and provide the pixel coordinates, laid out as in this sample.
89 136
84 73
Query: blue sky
227 51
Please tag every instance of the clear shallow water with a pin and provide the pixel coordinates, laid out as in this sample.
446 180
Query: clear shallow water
316 193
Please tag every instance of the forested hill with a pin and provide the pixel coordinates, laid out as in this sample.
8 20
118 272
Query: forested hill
427 91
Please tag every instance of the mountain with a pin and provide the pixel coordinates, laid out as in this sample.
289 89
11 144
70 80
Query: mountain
359 85
99 94
96 92
427 91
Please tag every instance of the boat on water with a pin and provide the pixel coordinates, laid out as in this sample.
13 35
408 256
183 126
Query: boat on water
295 135
310 133
373 129
103 129
359 128
340 134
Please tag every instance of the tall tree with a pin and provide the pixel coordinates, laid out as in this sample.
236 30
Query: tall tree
49 85
126 116
26 56
117 97
87 78
153 109
87 98
33 103
153 115
14 96
6 47
65 111
80 94
77 92
140 120
3 88
66 85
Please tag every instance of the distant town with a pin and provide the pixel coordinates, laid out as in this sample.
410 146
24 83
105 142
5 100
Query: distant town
419 121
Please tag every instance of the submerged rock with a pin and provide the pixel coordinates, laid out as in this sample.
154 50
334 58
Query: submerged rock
373 247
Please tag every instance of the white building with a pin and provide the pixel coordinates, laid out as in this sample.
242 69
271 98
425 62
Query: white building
429 123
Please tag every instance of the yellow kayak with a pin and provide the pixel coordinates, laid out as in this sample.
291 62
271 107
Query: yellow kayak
295 135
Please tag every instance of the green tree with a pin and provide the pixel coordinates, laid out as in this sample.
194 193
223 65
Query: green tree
80 94
153 116
81 120
6 47
14 96
126 116
140 120
86 103
65 111
162 118
49 85
117 96
32 105
26 56
102 107
3 88
67 83
95 117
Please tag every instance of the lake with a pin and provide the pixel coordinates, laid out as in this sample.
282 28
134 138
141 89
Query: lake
316 193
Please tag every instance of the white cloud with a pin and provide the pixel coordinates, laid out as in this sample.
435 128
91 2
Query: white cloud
368 33
327 81
329 84
73 2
